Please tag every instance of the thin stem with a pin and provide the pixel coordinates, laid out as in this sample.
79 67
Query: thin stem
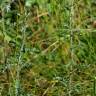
71 47
19 62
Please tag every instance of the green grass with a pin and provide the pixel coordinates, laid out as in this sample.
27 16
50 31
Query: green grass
49 50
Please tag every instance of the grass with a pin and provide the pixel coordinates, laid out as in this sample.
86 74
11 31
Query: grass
48 50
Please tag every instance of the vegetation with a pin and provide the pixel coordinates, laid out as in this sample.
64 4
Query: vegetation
47 48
